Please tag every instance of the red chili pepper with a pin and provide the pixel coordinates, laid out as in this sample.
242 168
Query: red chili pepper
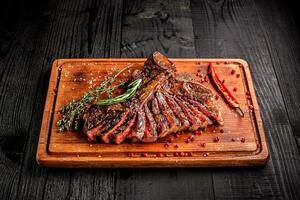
230 99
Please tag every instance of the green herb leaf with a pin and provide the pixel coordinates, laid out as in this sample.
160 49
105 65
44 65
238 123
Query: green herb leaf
132 87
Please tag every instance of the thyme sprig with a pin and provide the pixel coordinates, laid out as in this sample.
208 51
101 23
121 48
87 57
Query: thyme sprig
73 110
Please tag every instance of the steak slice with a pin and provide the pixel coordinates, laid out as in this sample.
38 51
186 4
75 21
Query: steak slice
185 124
216 117
120 134
203 118
195 122
138 132
173 121
106 133
162 124
150 134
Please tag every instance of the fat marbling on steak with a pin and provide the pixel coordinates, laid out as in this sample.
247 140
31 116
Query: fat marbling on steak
164 104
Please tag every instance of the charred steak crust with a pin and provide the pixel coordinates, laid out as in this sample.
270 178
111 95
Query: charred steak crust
164 104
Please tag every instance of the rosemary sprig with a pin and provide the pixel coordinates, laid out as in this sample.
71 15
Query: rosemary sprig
71 112
132 87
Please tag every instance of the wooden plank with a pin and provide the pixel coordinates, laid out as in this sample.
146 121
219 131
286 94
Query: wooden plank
232 29
164 184
72 150
165 26
17 80
285 58
66 35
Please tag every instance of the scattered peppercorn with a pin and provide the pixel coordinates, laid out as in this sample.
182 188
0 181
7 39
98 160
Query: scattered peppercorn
159 154
232 71
176 146
221 130
145 155
234 89
206 78
243 140
202 144
238 75
130 154
198 132
191 138
217 139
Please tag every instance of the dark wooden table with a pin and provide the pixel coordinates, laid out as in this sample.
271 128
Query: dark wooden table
33 33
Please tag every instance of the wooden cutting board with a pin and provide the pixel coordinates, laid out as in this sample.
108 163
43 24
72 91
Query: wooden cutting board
240 142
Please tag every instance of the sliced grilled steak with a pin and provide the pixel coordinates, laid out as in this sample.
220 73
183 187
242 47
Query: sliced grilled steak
202 96
195 122
164 104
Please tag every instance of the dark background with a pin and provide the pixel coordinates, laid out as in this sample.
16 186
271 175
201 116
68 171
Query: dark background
33 33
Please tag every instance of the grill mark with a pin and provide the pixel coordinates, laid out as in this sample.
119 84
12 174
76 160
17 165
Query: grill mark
178 111
203 119
106 136
167 112
213 116
137 133
123 132
150 132
162 124
92 133
195 122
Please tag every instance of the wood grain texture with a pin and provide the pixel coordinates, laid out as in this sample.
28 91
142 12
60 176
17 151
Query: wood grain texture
62 21
159 25
285 61
33 33
232 29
